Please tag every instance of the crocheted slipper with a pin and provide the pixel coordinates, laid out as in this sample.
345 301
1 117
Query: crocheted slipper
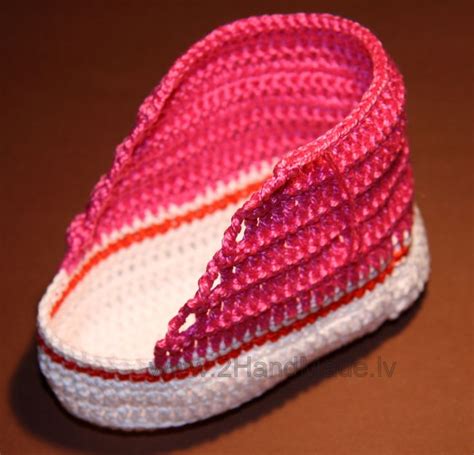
271 162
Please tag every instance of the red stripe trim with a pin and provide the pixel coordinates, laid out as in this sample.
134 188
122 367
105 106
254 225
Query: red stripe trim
258 341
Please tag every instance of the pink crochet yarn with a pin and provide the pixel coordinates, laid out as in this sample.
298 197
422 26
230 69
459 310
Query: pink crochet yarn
315 92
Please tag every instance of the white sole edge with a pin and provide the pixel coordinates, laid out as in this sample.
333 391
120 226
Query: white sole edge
130 405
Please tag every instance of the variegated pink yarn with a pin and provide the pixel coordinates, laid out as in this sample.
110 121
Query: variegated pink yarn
318 95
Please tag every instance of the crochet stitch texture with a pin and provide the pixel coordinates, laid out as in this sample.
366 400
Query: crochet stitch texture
271 167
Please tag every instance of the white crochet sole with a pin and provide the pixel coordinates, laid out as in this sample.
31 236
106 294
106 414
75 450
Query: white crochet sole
130 405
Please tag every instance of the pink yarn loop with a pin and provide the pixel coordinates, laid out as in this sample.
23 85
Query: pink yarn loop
290 166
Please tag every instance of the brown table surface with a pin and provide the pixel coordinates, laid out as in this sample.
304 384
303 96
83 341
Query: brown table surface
72 77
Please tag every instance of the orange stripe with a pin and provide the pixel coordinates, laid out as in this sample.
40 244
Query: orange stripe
258 341
149 232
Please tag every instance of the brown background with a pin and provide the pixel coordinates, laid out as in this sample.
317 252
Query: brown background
72 77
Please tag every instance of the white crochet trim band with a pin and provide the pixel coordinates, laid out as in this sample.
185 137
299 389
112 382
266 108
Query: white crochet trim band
131 405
